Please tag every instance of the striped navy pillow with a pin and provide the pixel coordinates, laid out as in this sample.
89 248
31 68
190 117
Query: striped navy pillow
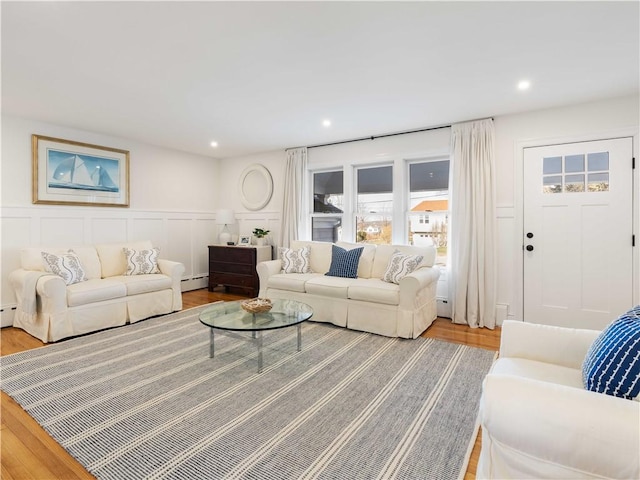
612 364
344 263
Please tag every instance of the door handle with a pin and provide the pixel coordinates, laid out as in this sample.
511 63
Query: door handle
529 248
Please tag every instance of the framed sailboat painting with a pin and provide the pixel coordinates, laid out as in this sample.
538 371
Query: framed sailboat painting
75 173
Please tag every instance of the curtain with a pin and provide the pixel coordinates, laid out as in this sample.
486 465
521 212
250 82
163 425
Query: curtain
472 275
293 214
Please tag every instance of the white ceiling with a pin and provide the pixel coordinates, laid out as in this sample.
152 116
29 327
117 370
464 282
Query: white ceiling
261 76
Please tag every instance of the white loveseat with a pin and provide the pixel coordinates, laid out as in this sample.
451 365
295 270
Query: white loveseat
537 419
366 303
50 310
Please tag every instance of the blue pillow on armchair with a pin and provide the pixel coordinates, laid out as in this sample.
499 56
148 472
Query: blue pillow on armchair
344 263
612 364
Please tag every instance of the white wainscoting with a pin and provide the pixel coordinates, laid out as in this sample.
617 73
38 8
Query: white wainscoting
508 254
181 236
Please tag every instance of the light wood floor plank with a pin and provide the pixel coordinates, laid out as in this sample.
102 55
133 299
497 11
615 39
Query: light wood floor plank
28 452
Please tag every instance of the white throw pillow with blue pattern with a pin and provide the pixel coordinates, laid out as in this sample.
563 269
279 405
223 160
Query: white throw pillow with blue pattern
400 265
612 364
67 266
295 261
141 262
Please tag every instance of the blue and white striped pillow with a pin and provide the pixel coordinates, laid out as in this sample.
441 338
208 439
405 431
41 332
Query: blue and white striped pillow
344 263
612 364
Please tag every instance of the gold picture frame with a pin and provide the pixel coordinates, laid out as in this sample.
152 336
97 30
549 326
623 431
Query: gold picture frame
75 173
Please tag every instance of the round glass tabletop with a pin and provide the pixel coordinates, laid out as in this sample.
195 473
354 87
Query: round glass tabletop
231 316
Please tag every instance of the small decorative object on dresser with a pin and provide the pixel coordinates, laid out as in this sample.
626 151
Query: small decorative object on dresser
260 233
235 266
244 241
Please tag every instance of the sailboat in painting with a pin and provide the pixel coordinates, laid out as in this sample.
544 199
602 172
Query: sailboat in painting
74 172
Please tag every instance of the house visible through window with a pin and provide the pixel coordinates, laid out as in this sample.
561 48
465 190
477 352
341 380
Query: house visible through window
429 192
328 200
374 204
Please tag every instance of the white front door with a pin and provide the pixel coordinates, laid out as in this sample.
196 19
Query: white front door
577 235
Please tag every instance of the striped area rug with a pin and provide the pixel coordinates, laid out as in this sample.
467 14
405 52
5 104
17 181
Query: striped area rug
146 401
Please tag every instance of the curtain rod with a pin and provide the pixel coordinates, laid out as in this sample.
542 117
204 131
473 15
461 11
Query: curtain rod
373 137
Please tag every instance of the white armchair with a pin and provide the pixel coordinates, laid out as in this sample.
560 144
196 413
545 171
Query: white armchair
537 419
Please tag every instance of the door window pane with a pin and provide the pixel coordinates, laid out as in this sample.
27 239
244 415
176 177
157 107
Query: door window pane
574 163
374 204
552 165
598 161
598 182
574 183
552 184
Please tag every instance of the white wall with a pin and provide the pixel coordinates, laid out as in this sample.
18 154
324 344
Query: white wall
173 199
267 218
589 121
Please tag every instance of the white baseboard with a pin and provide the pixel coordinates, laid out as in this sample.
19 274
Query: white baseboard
502 311
196 283
6 315
443 307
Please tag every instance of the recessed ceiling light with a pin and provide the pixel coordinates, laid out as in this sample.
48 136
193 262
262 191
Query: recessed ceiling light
214 144
326 123
524 84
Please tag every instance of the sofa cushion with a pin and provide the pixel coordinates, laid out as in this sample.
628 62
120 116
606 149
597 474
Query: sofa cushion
295 261
334 287
141 262
344 263
136 284
31 259
612 364
319 254
374 290
534 370
112 259
384 252
95 290
400 265
67 266
293 282
366 259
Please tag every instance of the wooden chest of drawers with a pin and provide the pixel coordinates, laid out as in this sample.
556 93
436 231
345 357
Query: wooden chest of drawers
236 267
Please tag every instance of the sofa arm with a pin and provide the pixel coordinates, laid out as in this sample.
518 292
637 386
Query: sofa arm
265 270
175 270
545 343
28 284
171 269
413 283
557 425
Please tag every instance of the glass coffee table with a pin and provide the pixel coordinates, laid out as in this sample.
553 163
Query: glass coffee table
230 319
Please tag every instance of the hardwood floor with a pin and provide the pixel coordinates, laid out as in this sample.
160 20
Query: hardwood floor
28 452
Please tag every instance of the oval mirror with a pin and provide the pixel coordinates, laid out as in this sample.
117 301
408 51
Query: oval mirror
255 186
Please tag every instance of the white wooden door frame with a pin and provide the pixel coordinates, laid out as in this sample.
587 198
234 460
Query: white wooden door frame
517 309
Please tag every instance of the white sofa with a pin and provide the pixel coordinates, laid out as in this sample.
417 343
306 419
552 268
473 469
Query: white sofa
537 419
50 310
366 303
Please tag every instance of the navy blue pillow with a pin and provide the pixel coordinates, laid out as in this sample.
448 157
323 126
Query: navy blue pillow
344 263
612 364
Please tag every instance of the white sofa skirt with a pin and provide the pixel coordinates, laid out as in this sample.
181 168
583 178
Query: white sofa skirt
387 320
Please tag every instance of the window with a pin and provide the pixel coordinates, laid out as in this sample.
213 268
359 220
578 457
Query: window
429 192
374 204
328 201
568 174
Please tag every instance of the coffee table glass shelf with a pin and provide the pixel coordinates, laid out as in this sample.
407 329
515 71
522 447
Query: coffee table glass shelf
229 318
